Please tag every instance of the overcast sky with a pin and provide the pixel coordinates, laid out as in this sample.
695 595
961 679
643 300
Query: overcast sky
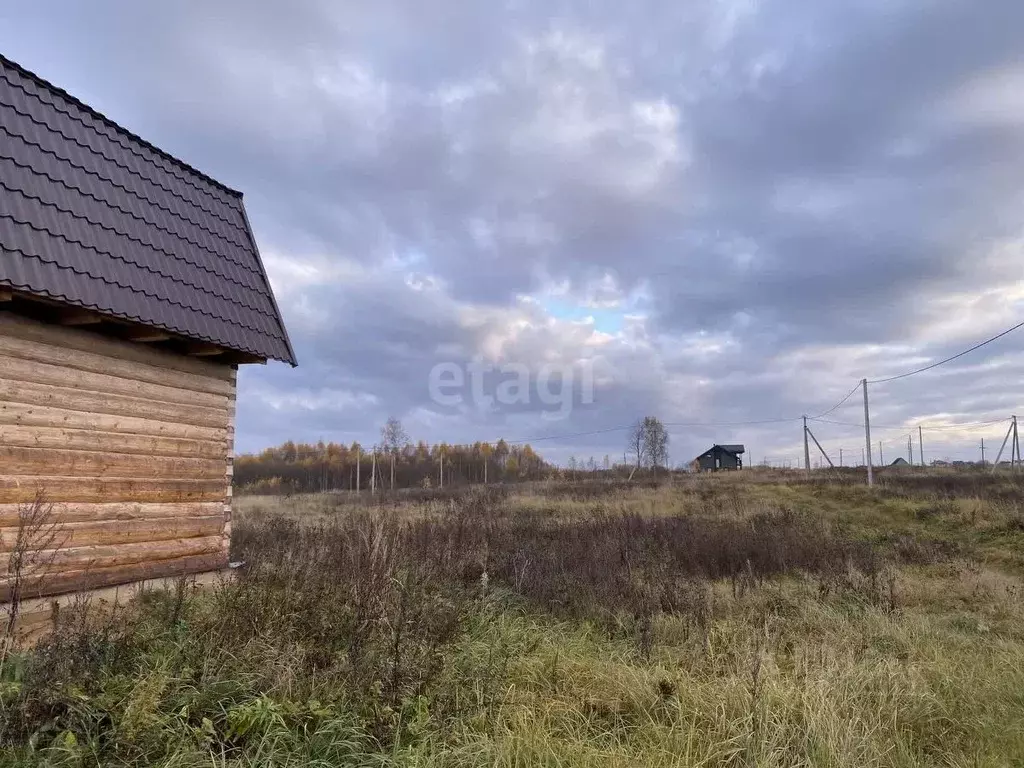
728 211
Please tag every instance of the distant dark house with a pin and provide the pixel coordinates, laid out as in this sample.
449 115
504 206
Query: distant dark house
900 462
719 457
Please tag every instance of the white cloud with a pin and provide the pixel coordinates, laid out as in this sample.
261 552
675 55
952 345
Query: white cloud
994 98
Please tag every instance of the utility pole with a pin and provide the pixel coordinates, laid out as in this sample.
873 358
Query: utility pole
840 457
359 456
440 475
867 434
920 443
373 473
1009 434
807 451
983 451
910 450
822 450
1016 444
323 467
881 456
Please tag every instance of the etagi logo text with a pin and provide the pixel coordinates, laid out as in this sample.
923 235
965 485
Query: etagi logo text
557 387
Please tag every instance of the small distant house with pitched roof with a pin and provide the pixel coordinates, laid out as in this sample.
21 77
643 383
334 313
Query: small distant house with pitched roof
719 457
131 289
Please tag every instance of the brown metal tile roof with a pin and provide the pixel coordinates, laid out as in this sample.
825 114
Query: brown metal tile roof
92 215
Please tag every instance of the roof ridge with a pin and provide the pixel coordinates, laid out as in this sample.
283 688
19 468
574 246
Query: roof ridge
117 126
53 102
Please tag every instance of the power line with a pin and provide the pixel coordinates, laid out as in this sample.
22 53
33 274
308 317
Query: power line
623 428
848 396
756 422
566 435
925 426
841 423
729 423
948 359
966 425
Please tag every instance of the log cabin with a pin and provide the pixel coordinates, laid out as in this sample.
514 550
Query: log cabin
131 289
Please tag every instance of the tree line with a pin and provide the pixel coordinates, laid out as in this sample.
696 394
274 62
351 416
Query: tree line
394 462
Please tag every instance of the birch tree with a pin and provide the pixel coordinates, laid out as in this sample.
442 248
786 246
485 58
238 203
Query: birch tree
392 437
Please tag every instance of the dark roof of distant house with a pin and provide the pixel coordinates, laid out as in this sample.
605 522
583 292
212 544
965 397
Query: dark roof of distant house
899 461
93 216
734 449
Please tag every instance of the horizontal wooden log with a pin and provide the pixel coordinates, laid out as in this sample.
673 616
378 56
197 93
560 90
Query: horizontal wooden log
32 462
95 578
21 489
177 370
109 532
37 372
71 399
110 555
90 440
30 621
10 514
37 614
45 416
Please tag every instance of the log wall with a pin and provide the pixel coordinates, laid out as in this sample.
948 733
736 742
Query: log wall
133 447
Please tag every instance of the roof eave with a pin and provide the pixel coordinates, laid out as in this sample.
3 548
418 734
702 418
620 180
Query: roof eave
293 360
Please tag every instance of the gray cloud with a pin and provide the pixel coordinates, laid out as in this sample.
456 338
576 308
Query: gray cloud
786 196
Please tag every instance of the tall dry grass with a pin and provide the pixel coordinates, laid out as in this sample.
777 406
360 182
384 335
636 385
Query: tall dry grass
741 622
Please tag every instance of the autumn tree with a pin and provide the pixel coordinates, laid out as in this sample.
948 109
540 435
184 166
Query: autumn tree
392 437
655 442
648 443
636 444
303 467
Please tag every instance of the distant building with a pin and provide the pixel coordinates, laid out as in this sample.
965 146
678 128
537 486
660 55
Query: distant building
900 462
719 457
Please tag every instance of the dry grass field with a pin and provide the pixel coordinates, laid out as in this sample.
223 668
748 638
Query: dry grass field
754 619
